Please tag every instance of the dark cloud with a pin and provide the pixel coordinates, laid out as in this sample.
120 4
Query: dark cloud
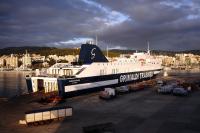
166 24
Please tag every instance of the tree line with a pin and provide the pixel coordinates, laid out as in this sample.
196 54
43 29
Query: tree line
45 51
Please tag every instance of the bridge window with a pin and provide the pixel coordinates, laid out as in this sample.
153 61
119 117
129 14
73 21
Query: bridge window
102 72
114 71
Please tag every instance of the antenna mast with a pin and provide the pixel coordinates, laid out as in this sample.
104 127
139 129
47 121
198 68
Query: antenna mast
107 51
96 40
148 50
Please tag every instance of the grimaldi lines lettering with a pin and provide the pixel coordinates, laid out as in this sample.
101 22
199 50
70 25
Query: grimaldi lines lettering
135 76
146 75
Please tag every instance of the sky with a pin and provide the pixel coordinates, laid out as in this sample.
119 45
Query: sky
121 24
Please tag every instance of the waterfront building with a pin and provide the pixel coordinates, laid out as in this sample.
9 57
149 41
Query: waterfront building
26 60
187 59
12 61
194 59
38 57
167 60
45 64
68 58
180 59
71 58
3 61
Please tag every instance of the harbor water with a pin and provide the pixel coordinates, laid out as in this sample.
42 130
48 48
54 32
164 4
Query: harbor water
12 83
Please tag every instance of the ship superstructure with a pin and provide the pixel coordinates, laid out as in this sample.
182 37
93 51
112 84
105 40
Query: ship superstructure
94 72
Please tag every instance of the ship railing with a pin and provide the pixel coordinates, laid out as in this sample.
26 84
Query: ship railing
66 76
50 76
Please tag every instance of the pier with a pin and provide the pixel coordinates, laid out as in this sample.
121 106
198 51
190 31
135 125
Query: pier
140 111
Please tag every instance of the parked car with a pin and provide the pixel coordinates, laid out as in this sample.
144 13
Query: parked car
160 82
180 91
122 89
108 93
167 89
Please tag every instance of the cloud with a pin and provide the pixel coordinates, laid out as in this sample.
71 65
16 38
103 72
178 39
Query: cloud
166 24
112 17
73 41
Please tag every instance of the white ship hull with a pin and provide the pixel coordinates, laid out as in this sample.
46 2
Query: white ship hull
97 73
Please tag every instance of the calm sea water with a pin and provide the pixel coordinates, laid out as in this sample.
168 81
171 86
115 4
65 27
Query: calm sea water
12 83
194 74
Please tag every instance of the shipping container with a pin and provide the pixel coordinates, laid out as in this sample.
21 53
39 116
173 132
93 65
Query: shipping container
47 114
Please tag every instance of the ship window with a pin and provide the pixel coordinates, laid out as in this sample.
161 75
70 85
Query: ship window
102 72
114 71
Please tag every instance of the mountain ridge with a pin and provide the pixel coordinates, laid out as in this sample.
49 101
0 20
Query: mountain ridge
45 51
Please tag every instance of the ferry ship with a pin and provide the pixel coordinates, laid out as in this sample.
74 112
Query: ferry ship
94 72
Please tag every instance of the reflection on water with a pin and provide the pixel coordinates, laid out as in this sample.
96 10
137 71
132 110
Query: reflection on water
12 83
